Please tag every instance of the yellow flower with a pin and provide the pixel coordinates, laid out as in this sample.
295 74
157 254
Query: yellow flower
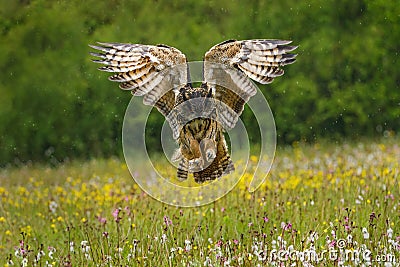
8 232
2 219
83 220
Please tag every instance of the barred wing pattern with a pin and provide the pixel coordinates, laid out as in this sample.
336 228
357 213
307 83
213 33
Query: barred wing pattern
144 69
259 60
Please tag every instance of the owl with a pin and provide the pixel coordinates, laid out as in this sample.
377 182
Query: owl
198 116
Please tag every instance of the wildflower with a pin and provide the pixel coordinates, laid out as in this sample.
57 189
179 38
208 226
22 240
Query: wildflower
40 255
24 262
349 239
102 220
207 262
167 221
163 238
365 233
188 245
84 246
265 219
127 210
389 233
313 237
115 214
53 206
71 246
51 251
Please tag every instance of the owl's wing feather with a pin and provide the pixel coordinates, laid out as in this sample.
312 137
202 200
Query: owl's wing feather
145 70
228 64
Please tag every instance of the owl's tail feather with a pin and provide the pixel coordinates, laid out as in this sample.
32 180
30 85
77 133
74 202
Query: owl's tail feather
221 165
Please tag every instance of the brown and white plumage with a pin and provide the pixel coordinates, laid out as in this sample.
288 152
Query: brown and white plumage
160 74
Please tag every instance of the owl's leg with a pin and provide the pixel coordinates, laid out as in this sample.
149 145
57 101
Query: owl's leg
182 173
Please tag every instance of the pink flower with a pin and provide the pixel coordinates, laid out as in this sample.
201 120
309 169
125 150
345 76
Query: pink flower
265 219
127 210
235 241
115 214
288 226
102 220
167 220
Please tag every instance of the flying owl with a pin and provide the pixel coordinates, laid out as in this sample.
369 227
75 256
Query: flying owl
198 116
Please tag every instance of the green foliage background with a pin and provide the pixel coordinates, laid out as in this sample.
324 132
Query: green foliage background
54 104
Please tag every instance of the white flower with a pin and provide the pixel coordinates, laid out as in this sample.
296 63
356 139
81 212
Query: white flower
24 262
349 239
51 252
365 233
163 238
313 237
53 206
207 262
188 246
389 233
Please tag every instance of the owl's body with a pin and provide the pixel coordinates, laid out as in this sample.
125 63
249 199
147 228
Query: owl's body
198 116
203 150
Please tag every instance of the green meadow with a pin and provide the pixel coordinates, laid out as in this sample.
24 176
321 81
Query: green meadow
321 205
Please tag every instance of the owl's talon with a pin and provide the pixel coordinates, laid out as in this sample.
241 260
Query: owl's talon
210 155
196 164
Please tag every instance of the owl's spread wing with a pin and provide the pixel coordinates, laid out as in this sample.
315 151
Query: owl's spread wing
260 60
149 71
